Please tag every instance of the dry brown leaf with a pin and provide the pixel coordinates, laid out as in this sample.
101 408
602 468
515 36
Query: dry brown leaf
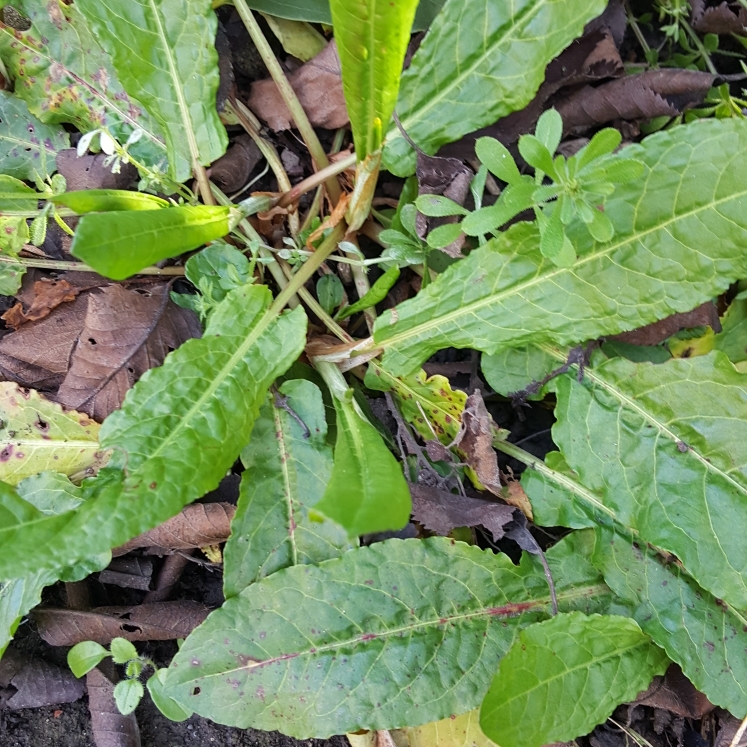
232 170
475 441
318 85
440 511
514 495
110 728
653 334
89 171
125 333
674 692
162 621
654 93
40 683
719 19
48 295
197 525
129 573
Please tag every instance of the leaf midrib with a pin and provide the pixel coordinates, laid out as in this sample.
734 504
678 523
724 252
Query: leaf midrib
493 298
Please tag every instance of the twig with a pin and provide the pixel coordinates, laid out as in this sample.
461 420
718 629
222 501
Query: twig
52 264
740 733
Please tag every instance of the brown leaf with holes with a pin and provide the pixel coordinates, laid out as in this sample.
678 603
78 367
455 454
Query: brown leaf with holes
705 315
125 333
674 692
110 728
161 621
719 19
197 525
40 683
475 441
440 511
654 93
48 295
318 85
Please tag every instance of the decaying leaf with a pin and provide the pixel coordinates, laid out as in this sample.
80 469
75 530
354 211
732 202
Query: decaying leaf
110 727
40 683
126 332
89 172
654 93
475 441
231 171
459 731
514 495
38 435
198 525
319 88
441 512
47 295
652 334
129 573
718 19
675 693
161 621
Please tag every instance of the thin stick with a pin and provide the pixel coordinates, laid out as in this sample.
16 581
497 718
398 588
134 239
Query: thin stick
316 179
51 264
288 95
740 733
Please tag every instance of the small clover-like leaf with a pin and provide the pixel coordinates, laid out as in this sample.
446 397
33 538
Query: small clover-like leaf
84 656
127 695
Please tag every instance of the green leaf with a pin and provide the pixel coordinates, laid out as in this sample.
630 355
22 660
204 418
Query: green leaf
15 195
549 129
455 731
218 268
164 53
367 491
372 39
119 244
602 144
11 274
365 641
438 206
106 200
496 156
28 148
37 435
168 706
127 695
564 676
84 656
516 198
180 429
536 154
664 450
660 228
17 598
376 294
442 236
732 340
478 63
298 38
287 471
513 369
51 492
122 650
329 291
63 75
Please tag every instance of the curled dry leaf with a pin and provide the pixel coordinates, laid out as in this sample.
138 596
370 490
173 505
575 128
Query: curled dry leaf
125 333
652 334
319 88
475 441
40 683
675 693
232 170
110 727
129 573
719 19
198 525
441 512
514 495
161 621
655 93
47 295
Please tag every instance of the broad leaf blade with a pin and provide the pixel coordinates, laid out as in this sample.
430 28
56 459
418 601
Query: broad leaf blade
459 731
17 598
180 429
164 53
28 148
478 63
63 75
119 244
365 640
564 676
286 473
372 38
664 226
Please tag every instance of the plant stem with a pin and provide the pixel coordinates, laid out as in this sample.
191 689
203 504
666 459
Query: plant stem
51 264
289 96
316 179
637 29
203 183
699 45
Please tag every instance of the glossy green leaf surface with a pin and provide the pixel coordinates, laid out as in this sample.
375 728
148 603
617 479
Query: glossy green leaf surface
505 294
400 632
513 369
164 53
119 244
84 656
478 63
565 675
63 75
28 148
180 429
105 200
375 295
286 474
168 706
372 38
51 492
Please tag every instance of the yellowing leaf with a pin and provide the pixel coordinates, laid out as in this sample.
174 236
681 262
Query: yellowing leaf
457 731
38 435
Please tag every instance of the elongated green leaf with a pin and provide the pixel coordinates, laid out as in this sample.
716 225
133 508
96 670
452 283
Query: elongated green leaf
119 244
37 435
400 632
105 200
17 598
367 491
63 75
318 11
372 38
164 54
180 429
478 63
375 295
287 470
506 295
664 448
564 676
28 148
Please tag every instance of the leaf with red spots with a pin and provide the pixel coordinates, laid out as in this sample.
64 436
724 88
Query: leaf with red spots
400 632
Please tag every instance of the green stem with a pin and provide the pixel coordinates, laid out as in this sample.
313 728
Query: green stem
289 96
51 264
699 45
637 30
